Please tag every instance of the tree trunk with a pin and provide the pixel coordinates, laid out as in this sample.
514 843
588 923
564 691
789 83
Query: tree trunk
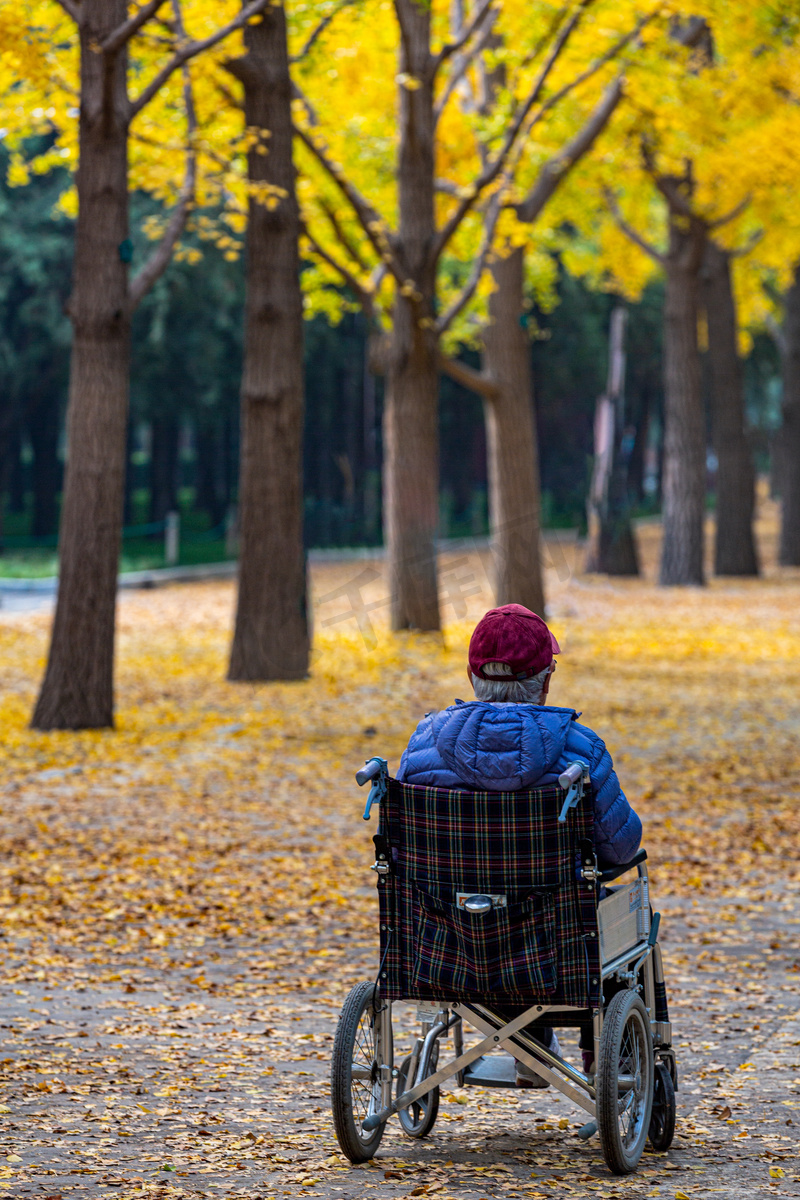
164 446
512 453
735 551
611 547
684 470
271 639
411 433
77 691
789 552
43 431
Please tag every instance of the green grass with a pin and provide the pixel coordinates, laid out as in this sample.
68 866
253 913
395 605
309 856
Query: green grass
139 554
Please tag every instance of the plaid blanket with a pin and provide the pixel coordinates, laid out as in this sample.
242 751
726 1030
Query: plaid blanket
538 944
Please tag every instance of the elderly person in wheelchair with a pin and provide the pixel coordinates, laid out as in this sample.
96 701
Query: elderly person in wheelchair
506 740
494 844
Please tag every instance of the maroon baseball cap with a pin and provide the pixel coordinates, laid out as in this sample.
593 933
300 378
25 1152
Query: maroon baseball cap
515 636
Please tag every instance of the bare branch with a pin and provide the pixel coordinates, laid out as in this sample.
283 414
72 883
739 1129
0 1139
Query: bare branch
468 377
362 294
371 221
319 30
493 169
496 165
693 33
234 101
468 291
71 9
124 32
776 332
559 166
459 71
732 215
630 232
670 185
160 259
461 39
750 244
190 49
548 33
342 236
670 188
311 112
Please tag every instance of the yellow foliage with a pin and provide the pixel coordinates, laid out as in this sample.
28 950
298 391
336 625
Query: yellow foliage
353 113
736 119
225 810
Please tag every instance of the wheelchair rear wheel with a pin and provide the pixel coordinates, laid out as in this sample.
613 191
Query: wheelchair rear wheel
624 1082
418 1119
662 1121
355 1074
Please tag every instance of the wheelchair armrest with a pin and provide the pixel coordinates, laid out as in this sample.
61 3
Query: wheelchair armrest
609 873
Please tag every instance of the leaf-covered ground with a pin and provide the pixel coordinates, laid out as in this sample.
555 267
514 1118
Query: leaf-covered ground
185 901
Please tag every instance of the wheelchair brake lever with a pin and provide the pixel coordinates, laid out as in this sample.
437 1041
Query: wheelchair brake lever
379 785
573 781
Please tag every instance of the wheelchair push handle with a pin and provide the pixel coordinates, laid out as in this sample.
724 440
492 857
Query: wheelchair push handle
572 774
376 771
370 770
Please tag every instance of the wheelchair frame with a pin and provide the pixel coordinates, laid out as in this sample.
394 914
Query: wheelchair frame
635 968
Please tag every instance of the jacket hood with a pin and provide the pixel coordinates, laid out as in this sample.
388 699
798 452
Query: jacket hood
501 747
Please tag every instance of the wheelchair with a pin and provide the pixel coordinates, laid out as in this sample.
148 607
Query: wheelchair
493 911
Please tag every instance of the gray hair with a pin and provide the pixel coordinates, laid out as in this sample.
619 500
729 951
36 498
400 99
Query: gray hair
516 691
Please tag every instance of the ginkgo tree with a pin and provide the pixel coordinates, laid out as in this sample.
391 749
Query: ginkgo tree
683 205
403 193
110 82
505 380
271 632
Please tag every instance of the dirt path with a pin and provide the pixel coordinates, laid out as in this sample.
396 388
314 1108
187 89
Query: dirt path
185 902
154 1086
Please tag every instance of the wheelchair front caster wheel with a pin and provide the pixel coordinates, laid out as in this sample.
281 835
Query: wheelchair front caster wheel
418 1119
662 1121
355 1078
624 1082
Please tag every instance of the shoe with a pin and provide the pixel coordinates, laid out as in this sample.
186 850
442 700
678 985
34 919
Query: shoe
588 1062
526 1077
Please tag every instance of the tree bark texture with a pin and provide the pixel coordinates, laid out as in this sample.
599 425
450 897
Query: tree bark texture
789 551
271 639
512 451
734 550
411 436
684 470
77 691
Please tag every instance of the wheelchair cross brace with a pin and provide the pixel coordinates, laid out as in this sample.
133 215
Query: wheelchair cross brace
499 1035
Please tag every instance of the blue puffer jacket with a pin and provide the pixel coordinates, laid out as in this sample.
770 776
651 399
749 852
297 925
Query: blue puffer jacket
507 747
